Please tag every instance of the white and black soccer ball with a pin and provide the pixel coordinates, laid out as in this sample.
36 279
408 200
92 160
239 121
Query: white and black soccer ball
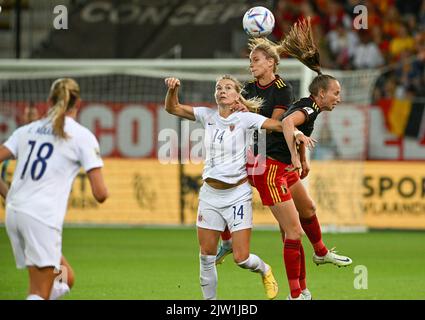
258 22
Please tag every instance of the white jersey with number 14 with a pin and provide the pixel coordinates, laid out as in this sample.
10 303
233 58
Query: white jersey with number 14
226 141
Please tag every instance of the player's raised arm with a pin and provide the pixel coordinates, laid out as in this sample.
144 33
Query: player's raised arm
172 104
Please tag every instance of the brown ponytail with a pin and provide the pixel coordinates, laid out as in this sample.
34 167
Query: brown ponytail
64 93
299 43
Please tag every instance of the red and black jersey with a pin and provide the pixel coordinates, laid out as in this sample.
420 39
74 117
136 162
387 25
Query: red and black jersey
311 110
277 94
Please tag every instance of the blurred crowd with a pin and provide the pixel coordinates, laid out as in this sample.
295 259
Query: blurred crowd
394 38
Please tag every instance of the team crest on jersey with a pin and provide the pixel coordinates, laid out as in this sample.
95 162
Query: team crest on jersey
199 217
232 127
309 110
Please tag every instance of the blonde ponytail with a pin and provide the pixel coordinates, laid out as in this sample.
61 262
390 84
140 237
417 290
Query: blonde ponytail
254 104
64 93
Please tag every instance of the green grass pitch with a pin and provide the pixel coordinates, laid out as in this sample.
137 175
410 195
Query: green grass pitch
162 264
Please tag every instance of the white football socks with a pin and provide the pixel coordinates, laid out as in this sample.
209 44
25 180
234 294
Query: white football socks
59 289
208 277
34 297
254 263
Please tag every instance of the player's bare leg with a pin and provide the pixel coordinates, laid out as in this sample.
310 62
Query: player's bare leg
70 277
41 282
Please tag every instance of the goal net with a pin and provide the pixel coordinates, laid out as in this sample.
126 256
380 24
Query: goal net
122 103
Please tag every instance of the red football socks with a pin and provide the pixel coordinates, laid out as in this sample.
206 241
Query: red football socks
311 228
303 284
292 259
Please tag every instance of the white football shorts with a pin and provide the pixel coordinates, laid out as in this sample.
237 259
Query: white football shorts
220 208
33 243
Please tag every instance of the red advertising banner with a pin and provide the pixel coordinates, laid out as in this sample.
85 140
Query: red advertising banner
141 130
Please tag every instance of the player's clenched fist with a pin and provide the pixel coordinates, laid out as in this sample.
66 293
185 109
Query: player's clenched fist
172 83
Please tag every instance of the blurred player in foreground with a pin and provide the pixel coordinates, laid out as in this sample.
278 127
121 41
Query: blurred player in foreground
49 154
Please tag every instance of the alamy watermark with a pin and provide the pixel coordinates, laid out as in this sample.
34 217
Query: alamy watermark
60 21
361 278
226 145
360 21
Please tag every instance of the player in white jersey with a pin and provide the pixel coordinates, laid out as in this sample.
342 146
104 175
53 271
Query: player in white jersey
65 279
225 197
49 155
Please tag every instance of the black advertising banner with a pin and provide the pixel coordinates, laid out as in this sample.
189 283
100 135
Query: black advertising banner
151 29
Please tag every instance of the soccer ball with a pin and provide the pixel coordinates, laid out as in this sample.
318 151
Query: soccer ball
258 22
